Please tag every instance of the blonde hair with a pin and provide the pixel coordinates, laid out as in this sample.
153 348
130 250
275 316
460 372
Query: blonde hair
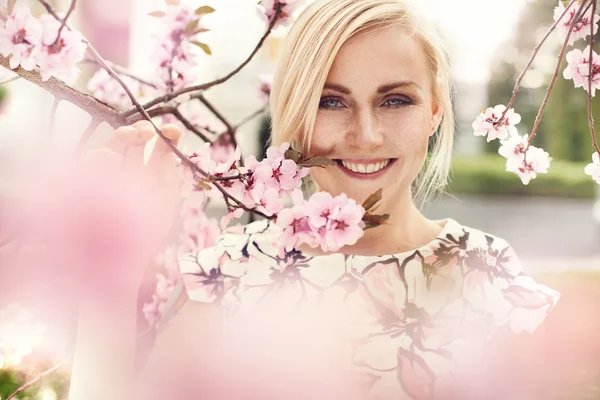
308 54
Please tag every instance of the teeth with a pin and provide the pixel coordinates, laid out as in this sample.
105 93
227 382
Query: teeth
366 168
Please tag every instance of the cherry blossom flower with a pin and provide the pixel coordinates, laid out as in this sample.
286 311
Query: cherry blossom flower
579 69
19 334
20 38
323 220
59 59
582 28
487 123
267 8
105 88
593 169
523 161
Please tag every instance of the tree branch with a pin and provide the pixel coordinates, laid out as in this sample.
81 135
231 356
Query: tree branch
122 71
538 118
177 114
87 103
535 52
89 131
250 117
37 379
62 25
204 86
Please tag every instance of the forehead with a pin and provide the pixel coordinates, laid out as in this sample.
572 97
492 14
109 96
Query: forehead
381 56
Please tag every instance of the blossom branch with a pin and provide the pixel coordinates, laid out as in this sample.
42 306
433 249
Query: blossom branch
89 131
204 86
528 66
590 78
582 10
87 103
37 379
230 129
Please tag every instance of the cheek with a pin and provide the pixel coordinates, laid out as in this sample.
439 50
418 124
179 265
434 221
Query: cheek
409 135
327 133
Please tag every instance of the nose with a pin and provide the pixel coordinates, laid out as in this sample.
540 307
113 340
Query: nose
365 132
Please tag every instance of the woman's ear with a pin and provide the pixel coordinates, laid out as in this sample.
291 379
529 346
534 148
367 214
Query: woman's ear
436 117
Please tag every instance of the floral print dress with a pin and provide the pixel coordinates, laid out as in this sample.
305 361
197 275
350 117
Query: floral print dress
411 319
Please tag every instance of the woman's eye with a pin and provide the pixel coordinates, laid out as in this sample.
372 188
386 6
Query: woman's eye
330 103
397 102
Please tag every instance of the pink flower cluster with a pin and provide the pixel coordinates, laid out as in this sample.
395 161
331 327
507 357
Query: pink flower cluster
267 8
582 27
486 123
106 89
323 220
579 69
31 42
264 90
525 161
593 169
172 52
261 185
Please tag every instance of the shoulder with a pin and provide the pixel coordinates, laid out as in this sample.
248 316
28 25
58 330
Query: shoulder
495 281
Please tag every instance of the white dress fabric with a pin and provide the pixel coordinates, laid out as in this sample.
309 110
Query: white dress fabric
410 322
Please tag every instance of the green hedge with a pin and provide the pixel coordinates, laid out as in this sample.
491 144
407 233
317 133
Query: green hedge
486 174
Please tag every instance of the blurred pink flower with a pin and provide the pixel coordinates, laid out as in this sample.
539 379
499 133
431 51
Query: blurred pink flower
267 8
593 169
487 123
60 59
579 69
582 28
264 90
20 38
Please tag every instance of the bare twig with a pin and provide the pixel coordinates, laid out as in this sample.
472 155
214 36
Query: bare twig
122 71
14 78
204 86
177 114
590 79
37 379
538 118
250 117
215 112
535 52
89 131
62 25
87 103
53 115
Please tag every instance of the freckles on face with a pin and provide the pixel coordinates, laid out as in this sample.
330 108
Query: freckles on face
377 105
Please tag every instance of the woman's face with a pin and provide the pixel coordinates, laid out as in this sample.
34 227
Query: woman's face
375 116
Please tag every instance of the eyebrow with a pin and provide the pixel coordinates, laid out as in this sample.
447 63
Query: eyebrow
381 89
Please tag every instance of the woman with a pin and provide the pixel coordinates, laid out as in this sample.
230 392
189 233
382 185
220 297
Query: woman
415 308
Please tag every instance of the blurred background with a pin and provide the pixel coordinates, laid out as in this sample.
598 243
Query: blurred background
553 223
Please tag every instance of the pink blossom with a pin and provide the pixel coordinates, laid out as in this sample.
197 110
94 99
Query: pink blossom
105 88
579 69
582 28
60 59
227 165
593 169
267 8
487 123
525 163
345 224
20 38
294 222
237 213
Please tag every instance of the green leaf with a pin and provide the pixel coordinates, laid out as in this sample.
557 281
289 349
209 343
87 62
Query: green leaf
157 14
291 154
200 30
316 162
203 46
372 200
202 185
204 10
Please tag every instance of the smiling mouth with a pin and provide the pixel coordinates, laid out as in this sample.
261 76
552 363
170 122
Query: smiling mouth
365 168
